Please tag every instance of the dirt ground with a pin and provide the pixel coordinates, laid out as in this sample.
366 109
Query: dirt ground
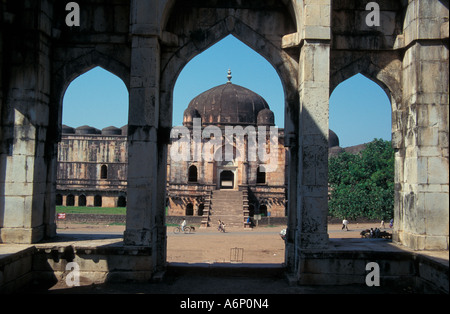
258 245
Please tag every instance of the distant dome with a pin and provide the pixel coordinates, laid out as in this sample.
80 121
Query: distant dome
333 140
227 104
266 117
111 130
189 115
67 130
86 130
124 130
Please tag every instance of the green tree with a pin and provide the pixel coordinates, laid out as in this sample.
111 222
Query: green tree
362 185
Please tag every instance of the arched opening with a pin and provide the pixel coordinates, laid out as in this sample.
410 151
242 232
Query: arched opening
70 200
104 172
82 200
361 164
189 209
97 201
193 174
209 69
205 72
227 180
92 154
360 111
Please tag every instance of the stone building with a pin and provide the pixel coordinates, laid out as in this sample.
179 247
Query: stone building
92 167
229 189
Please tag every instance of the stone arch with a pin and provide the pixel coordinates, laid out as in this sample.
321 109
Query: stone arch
385 71
385 77
176 53
167 8
66 71
83 63
175 59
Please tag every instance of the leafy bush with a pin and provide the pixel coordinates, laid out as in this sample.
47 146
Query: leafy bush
362 185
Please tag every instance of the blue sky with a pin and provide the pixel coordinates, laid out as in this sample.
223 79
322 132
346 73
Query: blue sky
359 108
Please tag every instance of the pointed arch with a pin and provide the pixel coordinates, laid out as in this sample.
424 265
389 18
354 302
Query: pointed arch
361 110
174 60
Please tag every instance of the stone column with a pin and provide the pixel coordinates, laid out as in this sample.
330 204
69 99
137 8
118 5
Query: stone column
142 141
24 209
312 170
312 181
148 137
422 208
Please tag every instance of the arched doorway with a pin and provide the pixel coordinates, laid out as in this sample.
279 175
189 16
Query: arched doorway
82 200
362 127
227 175
87 128
227 180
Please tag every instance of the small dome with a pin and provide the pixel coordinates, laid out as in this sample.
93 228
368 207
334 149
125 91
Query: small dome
86 130
111 130
266 117
333 139
124 130
67 130
189 115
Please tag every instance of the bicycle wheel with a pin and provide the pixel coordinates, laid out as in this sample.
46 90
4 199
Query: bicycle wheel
176 230
187 230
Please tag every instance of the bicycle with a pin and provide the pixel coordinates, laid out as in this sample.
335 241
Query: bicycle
177 230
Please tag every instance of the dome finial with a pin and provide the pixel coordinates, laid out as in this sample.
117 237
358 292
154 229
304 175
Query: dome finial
229 76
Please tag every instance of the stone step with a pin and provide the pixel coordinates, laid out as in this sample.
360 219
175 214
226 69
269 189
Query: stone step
227 206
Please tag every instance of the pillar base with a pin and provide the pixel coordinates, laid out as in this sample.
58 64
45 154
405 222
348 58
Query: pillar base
22 235
137 237
421 242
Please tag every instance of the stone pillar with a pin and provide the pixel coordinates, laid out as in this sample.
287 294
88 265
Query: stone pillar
312 170
422 208
312 181
142 141
148 137
25 216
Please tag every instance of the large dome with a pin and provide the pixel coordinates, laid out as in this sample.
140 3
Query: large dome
227 104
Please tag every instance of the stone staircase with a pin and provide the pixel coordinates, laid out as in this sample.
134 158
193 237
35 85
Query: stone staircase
227 206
